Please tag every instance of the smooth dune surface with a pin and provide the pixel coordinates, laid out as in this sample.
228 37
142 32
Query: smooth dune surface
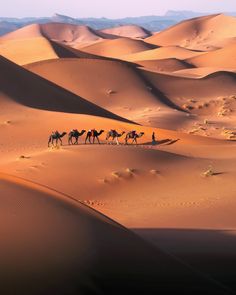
118 47
107 218
131 31
163 53
203 33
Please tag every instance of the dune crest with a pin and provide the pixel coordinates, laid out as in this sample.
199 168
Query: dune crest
131 31
202 33
118 47
163 53
34 91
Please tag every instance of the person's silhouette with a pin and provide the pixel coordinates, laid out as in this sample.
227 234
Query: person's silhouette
153 138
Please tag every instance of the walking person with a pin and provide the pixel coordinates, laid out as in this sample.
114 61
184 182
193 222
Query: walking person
153 138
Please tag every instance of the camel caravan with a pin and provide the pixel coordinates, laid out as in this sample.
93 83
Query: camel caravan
92 136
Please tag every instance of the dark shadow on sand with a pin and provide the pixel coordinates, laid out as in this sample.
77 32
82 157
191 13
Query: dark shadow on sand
212 252
161 142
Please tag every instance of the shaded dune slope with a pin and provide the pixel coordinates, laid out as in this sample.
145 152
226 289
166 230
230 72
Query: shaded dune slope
34 91
59 32
224 57
212 86
131 31
118 47
126 87
70 33
65 51
32 44
165 65
98 256
163 53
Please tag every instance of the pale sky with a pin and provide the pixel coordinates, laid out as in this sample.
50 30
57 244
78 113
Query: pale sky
110 8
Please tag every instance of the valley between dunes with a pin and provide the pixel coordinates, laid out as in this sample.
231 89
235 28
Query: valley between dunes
174 201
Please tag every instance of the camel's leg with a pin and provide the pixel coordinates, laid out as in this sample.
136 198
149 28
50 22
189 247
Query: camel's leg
87 137
60 140
109 142
49 140
70 140
117 141
98 139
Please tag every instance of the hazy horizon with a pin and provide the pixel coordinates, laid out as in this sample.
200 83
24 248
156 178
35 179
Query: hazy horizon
102 8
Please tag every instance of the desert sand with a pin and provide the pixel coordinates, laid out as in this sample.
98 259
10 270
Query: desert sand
201 33
131 31
149 217
118 47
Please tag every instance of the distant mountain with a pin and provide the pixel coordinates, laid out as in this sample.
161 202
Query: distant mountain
187 14
59 18
6 27
151 23
184 14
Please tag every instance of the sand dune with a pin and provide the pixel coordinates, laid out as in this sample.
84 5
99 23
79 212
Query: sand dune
185 92
213 86
24 51
118 47
66 51
219 58
202 71
34 91
27 32
123 91
131 31
117 179
66 233
67 33
204 33
102 88
112 180
41 42
162 53
165 65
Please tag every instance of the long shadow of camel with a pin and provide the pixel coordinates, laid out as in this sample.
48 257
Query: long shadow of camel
156 143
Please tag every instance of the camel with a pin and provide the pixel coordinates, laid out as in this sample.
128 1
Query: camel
76 134
55 136
94 134
114 135
133 135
